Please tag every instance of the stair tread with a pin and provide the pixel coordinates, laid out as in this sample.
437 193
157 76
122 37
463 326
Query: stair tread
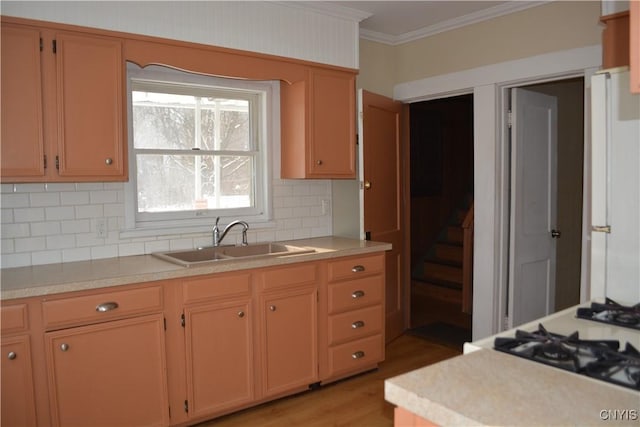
444 262
438 282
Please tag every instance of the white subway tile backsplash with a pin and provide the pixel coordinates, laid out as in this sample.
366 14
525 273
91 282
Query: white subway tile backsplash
30 244
46 257
59 213
54 223
15 200
44 199
74 198
28 214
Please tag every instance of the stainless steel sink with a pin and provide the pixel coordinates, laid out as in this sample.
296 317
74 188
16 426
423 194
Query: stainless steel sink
226 253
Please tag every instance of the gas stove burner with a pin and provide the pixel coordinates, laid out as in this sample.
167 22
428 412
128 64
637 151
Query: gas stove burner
599 359
612 313
626 318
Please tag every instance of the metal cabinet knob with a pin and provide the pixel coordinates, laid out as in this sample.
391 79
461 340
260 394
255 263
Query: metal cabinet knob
367 185
555 234
357 268
357 324
272 307
358 355
107 306
241 314
319 162
357 294
108 161
12 355
64 347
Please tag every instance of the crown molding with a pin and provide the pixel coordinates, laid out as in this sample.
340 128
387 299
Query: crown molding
451 24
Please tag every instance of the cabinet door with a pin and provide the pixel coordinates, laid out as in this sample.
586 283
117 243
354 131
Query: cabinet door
22 147
18 402
219 356
109 374
289 339
332 142
90 93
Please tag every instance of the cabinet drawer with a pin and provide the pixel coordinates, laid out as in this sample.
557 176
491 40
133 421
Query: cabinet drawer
207 287
288 276
14 318
354 267
355 324
355 294
103 306
356 355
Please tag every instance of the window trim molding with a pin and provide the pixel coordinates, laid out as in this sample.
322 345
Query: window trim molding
265 164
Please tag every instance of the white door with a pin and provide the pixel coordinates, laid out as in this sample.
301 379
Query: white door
533 206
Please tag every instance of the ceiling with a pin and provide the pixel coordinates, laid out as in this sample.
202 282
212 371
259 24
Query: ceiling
396 22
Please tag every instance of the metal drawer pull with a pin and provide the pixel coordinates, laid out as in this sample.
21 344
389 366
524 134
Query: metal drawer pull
12 355
358 324
106 306
241 314
357 294
64 347
357 268
358 355
272 307
108 161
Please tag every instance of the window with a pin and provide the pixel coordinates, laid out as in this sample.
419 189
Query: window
197 148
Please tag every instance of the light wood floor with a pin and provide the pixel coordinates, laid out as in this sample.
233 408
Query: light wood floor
358 401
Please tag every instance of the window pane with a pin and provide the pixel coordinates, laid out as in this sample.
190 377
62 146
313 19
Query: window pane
170 183
164 121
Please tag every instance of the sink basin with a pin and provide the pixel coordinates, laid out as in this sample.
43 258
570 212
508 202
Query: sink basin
226 253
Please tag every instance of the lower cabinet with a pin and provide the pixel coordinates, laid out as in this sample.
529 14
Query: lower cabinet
289 340
18 400
219 351
108 374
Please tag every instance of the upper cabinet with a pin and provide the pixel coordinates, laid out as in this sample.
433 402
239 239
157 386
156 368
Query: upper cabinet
318 126
63 115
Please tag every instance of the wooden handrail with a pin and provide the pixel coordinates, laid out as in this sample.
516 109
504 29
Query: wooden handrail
467 261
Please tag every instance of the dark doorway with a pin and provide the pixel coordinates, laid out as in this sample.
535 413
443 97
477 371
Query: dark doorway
441 150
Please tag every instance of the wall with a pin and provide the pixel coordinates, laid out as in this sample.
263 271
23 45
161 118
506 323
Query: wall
51 223
552 27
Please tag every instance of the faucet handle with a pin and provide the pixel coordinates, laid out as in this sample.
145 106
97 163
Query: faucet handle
217 220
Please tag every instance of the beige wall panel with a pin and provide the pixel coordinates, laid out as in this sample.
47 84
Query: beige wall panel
548 28
377 67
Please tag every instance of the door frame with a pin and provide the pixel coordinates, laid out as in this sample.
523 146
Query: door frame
491 177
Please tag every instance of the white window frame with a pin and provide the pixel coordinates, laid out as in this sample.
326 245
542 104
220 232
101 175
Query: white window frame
202 220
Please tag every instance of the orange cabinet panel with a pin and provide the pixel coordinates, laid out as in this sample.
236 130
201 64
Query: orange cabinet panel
63 109
357 355
90 93
108 374
318 126
353 294
99 307
219 351
14 318
22 145
17 392
355 267
355 324
288 334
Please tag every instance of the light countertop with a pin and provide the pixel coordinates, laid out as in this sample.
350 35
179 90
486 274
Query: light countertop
487 387
50 279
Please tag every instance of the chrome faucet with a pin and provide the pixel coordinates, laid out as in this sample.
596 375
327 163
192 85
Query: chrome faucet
217 237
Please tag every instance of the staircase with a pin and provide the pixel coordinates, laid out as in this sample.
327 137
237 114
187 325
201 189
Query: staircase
442 284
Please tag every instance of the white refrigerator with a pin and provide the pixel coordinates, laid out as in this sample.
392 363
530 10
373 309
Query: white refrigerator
615 188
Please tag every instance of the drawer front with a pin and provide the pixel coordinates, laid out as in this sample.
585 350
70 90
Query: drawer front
355 324
207 287
14 318
356 355
288 276
351 268
103 306
354 294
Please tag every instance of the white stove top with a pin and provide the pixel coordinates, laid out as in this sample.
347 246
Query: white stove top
565 323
